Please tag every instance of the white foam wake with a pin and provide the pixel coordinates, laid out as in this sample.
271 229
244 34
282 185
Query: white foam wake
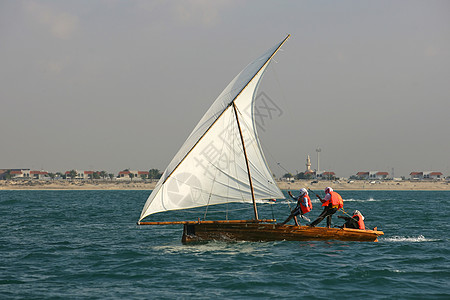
360 200
418 239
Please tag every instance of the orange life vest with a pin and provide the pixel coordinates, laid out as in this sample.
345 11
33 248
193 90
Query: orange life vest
304 208
360 222
336 200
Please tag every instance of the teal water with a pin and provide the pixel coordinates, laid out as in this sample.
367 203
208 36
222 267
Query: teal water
86 245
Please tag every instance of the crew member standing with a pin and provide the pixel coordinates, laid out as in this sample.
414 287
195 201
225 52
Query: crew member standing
303 206
332 202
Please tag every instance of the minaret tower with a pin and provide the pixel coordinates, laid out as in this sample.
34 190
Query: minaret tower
308 164
318 150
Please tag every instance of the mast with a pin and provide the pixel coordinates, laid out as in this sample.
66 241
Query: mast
255 210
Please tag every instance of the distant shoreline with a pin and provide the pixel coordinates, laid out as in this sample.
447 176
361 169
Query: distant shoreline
362 185
405 185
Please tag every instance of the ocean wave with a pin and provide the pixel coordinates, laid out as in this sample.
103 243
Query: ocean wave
360 200
418 239
266 201
221 247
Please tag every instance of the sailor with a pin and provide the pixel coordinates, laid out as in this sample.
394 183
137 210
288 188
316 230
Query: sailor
356 221
303 206
332 202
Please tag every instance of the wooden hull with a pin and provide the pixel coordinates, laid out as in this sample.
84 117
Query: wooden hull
256 232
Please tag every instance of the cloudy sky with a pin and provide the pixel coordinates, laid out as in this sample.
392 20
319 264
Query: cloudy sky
109 85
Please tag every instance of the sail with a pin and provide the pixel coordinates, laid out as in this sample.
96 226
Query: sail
210 168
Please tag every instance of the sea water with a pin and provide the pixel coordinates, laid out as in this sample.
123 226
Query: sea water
86 245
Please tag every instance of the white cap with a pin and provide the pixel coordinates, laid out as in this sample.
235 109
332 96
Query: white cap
357 212
303 191
328 190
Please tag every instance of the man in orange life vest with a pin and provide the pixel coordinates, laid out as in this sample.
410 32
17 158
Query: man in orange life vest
356 221
303 206
332 202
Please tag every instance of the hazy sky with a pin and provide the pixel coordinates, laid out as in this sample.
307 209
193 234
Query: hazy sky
109 85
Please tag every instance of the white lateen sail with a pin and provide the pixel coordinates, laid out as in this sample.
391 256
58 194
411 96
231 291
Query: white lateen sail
211 166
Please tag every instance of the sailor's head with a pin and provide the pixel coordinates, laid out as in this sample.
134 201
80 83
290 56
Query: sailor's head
357 212
303 192
328 190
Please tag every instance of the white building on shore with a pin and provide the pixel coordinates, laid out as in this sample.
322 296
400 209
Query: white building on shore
373 175
430 175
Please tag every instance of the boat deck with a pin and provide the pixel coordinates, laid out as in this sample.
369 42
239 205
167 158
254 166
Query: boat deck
256 232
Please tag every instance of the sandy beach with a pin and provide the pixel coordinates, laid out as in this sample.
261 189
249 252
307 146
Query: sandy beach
140 185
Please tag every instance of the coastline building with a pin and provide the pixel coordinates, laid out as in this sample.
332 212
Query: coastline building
416 175
129 174
39 175
28 174
372 175
328 175
380 175
82 175
362 175
430 175
20 173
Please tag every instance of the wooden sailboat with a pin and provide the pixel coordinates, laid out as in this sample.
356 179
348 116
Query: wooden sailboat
222 162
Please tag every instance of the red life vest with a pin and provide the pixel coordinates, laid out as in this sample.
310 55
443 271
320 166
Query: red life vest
360 222
304 208
336 200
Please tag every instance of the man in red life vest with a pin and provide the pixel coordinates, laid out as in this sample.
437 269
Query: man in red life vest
332 202
303 206
356 221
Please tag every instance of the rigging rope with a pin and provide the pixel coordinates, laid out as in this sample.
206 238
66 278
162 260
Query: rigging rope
341 209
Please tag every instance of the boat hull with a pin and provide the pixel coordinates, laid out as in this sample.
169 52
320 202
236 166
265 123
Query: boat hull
257 232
